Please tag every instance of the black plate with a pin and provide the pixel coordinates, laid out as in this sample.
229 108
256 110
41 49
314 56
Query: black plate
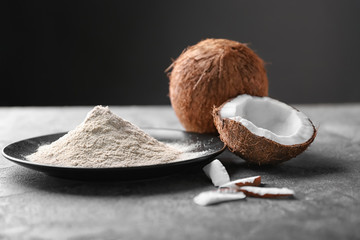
213 146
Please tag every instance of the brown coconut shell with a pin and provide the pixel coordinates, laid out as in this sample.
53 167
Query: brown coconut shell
208 74
252 148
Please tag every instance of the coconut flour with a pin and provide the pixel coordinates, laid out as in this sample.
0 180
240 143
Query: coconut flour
105 140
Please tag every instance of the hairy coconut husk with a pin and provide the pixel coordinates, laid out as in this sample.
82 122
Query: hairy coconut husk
252 148
209 73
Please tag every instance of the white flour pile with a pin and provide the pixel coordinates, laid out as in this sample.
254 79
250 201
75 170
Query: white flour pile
105 140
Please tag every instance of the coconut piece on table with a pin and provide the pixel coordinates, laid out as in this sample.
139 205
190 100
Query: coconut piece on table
213 197
250 181
262 130
217 173
264 192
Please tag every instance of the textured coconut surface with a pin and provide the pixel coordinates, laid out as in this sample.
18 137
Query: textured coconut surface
325 178
209 73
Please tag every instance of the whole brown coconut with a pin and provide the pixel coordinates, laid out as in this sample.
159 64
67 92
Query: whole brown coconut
209 73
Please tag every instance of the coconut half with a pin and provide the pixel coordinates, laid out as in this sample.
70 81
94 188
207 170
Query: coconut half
263 130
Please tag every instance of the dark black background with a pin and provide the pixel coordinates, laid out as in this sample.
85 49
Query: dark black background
115 52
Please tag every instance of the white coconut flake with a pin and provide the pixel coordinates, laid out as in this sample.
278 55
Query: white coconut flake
213 197
261 191
217 173
250 181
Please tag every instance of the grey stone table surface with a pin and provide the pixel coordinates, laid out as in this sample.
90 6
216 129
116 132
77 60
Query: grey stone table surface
325 178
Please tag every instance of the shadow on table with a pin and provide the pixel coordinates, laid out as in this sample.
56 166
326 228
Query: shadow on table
307 165
181 182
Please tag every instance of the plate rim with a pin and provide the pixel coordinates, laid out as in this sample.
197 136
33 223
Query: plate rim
71 168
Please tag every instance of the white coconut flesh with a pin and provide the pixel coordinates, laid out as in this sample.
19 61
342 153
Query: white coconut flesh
269 118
